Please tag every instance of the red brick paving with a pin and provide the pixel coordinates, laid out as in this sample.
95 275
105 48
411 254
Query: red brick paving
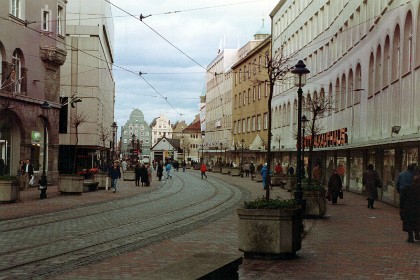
352 242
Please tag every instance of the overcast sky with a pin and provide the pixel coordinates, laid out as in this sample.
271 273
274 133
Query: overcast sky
198 29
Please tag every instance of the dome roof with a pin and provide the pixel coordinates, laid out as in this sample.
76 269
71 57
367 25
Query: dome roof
264 30
137 114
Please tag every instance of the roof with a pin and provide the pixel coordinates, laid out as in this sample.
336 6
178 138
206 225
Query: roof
193 127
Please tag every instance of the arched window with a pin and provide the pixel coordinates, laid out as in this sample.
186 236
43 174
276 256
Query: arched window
331 98
16 75
343 90
387 62
408 43
396 54
378 69
371 74
337 94
350 92
358 83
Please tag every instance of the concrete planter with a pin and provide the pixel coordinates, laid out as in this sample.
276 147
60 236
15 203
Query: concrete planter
291 182
258 177
278 180
270 233
9 190
101 178
226 170
235 172
316 203
70 183
129 176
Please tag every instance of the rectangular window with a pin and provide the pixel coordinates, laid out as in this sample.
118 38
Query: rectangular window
45 20
258 122
249 70
16 8
240 75
265 120
249 96
248 124
253 93
243 126
234 127
259 91
253 123
62 124
240 95
60 13
244 99
244 73
266 89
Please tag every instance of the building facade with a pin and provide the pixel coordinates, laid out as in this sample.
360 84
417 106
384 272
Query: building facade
136 128
364 57
250 102
161 126
87 77
193 141
32 49
218 108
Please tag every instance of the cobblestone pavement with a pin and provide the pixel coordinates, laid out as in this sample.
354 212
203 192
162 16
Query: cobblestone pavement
351 242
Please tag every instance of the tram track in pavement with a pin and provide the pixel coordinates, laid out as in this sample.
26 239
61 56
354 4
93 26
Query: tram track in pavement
82 254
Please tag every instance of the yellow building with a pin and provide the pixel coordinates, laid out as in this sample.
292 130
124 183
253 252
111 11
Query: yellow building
250 92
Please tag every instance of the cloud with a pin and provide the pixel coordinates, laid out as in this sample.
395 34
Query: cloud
196 33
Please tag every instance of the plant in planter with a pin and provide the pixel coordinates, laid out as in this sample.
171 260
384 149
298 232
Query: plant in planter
315 196
9 188
270 228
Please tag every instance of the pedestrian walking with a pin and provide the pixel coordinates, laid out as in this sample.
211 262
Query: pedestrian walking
28 172
143 175
124 165
335 186
168 170
278 169
252 170
410 209
137 173
149 174
405 178
317 172
114 173
246 169
372 182
264 174
184 165
160 171
20 173
203 170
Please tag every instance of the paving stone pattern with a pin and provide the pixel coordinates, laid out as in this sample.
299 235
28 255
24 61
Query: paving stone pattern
351 242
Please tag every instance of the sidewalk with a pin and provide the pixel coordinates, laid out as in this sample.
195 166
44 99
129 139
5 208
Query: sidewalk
351 242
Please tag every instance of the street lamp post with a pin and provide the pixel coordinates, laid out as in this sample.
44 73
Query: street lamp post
300 72
304 122
221 151
242 157
43 182
114 128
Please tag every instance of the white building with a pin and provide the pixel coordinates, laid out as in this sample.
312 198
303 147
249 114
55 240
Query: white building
218 108
363 55
161 126
87 76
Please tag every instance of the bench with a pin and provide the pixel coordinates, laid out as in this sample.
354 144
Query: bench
203 266
90 186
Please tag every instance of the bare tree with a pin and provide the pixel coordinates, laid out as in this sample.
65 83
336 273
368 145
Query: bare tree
77 120
104 134
317 108
278 65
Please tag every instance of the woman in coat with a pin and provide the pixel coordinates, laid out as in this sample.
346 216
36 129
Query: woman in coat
410 209
143 175
160 171
371 181
335 186
137 172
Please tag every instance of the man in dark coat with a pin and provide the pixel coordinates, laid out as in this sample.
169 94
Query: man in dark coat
335 186
410 209
114 173
143 175
371 181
